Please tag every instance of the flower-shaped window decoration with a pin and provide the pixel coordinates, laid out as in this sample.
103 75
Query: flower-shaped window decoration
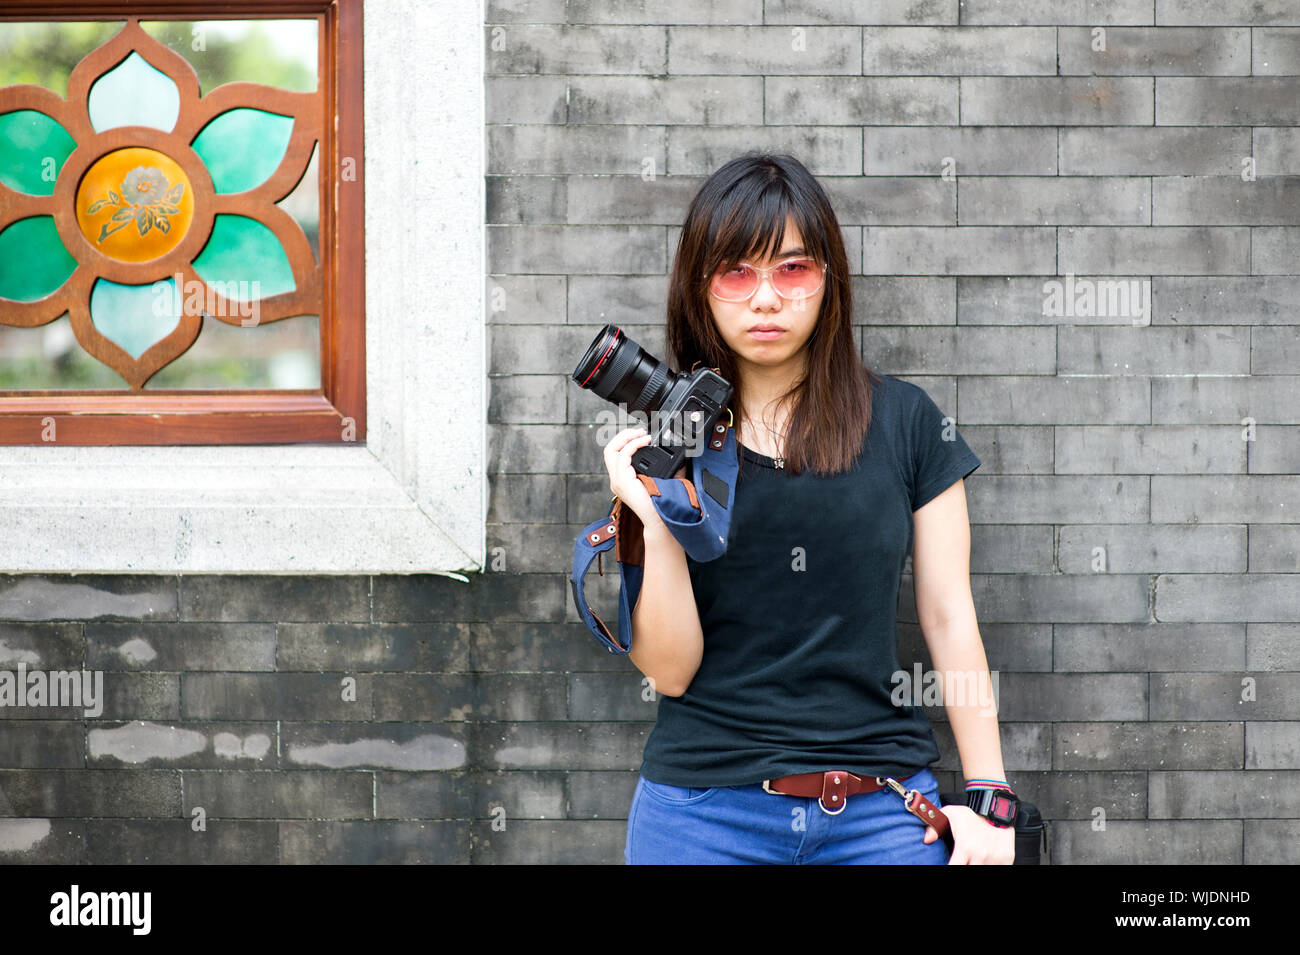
162 209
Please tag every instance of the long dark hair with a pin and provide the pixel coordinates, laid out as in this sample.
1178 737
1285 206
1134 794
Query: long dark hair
740 213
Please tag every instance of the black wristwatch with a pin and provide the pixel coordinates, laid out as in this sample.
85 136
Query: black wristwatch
998 806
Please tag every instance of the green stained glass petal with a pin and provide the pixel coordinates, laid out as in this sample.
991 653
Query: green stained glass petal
33 261
135 316
133 93
242 147
33 148
244 260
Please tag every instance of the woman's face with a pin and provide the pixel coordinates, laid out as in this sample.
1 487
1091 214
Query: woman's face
741 323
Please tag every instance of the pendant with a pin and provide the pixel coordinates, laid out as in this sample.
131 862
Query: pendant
780 462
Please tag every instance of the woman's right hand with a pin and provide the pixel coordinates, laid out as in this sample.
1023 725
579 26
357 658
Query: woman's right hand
623 480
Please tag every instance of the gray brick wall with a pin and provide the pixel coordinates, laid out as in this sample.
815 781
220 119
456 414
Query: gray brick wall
1134 543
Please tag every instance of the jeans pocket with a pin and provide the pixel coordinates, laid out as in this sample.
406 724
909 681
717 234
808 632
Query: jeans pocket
676 795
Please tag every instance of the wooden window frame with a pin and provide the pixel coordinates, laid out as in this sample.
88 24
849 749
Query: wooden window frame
333 413
413 497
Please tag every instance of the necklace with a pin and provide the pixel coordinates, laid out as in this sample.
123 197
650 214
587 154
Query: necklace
780 461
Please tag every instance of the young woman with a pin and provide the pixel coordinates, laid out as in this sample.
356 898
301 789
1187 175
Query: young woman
776 664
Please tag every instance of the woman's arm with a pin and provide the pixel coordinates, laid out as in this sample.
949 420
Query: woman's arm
946 612
667 639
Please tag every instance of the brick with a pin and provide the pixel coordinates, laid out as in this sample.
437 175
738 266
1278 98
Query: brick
1275 251
893 51
1224 300
1155 151
1054 300
973 150
1277 151
769 50
1275 549
376 842
1206 350
270 597
1149 647
1154 51
1272 745
89 792
1218 696
278 795
1153 549
182 745
1055 400
1227 101
962 250
519 795
1198 842
697 150
906 350
1229 12
526 99
526 299
893 201
87 597
424 696
605 200
1118 746
1145 251
604 795
904 300
1248 794
42 842
1228 597
590 249
1056 11
512 200
175 842
900 12
1114 598
275 696
1225 200
539 48
860 101
41 744
571 150
611 696
1197 400
189 646
441 647
1263 499
552 842
561 746
1017 200
1274 351
405 747
1057 101
661 101
433 795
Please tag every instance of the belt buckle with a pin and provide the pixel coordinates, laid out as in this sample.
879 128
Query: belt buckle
845 801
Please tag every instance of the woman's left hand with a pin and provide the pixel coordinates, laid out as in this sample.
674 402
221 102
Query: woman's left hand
976 841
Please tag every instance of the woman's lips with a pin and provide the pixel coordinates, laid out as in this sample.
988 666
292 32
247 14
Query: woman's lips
766 335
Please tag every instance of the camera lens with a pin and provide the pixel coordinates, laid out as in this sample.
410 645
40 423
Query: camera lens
622 372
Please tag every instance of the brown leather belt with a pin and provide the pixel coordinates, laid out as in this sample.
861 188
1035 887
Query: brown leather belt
834 786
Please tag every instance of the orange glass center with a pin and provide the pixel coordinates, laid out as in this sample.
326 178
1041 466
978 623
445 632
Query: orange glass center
135 204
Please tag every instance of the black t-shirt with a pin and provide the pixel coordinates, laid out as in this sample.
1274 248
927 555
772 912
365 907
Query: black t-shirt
799 615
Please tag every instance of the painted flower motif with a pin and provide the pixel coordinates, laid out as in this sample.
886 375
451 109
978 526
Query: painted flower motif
147 199
135 144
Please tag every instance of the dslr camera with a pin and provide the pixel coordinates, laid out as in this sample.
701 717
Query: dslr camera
680 407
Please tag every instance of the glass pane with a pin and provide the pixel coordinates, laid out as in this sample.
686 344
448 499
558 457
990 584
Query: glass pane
281 354
304 204
32 150
274 52
134 317
45 53
48 357
244 260
133 93
33 261
242 147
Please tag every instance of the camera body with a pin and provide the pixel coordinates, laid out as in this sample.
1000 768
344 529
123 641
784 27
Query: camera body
680 407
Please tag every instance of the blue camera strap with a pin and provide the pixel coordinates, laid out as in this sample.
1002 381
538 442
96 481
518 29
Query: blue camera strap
696 512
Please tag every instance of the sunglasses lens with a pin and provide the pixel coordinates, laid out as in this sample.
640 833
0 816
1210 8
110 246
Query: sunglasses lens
794 279
797 278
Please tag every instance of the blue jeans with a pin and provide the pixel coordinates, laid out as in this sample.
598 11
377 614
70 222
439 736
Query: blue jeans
729 825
